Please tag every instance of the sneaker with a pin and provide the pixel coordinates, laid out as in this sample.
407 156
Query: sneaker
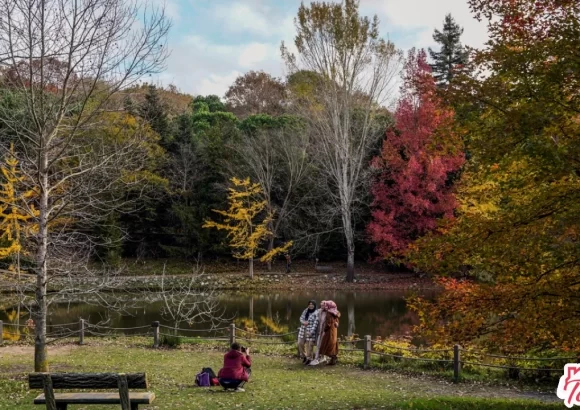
239 389
307 362
304 360
313 362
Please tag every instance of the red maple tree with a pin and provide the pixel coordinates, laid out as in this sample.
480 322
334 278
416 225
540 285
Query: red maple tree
413 188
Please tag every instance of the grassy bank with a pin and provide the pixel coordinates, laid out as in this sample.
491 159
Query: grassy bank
279 382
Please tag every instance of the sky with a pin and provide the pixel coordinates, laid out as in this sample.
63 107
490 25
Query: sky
214 41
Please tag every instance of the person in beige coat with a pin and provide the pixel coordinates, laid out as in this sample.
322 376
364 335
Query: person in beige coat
329 340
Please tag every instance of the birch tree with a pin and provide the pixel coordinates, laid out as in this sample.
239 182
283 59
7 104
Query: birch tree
356 69
64 59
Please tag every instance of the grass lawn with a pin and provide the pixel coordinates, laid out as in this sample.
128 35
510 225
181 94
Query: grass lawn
279 382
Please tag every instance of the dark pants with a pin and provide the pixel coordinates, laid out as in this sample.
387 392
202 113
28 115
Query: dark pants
234 383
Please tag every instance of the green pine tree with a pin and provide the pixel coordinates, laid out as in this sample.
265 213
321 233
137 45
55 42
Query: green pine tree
130 106
452 54
153 111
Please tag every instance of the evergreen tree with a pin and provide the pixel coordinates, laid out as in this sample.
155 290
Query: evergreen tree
130 106
153 111
452 53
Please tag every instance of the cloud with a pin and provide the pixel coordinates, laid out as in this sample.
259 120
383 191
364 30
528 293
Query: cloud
199 66
252 54
239 17
217 84
261 18
170 7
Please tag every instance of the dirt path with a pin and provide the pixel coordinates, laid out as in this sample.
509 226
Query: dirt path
26 350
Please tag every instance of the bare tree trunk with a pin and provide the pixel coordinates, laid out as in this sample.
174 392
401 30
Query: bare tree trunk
350 261
40 353
19 290
251 268
270 247
349 236
252 309
350 309
288 310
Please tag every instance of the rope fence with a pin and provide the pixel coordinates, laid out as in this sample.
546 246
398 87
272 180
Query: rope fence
412 358
270 336
516 358
450 357
266 343
192 330
418 351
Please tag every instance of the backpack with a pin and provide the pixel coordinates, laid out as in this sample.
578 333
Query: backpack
209 371
202 379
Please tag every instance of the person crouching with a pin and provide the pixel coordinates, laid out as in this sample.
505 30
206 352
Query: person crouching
236 370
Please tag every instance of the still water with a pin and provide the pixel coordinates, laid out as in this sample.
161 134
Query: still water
375 313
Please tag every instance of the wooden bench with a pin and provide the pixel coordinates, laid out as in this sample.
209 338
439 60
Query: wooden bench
71 381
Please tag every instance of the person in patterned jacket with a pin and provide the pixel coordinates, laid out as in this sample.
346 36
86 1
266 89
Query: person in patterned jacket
305 348
311 336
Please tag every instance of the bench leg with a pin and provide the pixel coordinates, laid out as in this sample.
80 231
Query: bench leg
134 406
61 406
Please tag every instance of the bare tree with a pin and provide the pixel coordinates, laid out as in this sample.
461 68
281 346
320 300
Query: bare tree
64 59
191 299
355 69
277 158
184 168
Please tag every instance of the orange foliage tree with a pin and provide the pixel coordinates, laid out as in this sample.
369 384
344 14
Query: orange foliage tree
518 222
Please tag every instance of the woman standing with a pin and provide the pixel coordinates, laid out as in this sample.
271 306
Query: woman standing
321 317
304 347
329 342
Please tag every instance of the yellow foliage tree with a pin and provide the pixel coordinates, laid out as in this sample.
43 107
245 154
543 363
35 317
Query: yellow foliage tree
15 213
241 222
15 209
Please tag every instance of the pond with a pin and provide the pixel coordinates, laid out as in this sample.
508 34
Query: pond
375 313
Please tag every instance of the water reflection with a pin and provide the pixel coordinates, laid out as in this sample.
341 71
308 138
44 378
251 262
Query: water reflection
375 313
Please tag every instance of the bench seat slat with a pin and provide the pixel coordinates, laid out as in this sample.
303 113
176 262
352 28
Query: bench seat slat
88 381
97 398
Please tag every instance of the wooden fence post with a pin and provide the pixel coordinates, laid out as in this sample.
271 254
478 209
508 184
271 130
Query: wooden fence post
1 330
367 352
456 363
82 331
232 333
155 326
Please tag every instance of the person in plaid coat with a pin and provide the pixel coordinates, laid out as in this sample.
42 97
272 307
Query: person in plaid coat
305 339
311 335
